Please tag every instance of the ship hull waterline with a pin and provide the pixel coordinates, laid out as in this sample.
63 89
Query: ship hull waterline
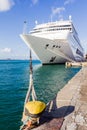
47 55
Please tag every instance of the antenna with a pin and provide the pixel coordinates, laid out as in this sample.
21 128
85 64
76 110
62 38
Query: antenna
70 18
51 17
36 22
25 27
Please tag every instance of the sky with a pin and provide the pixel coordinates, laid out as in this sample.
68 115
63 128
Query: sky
13 13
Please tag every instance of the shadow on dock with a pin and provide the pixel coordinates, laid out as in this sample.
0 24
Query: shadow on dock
52 111
53 117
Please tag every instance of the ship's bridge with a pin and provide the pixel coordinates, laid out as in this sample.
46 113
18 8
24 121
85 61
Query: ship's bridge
53 26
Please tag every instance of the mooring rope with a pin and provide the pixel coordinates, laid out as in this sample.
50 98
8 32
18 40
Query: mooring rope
31 91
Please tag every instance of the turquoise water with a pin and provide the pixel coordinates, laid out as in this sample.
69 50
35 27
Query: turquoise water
14 79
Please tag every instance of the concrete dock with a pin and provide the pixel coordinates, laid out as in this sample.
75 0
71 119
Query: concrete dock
76 64
68 111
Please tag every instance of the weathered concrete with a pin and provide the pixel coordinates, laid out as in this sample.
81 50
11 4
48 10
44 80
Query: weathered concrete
69 107
78 119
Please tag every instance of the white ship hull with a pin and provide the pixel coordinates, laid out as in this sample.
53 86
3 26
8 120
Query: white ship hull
55 42
63 51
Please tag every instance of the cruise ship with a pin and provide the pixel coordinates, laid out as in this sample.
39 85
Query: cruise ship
55 42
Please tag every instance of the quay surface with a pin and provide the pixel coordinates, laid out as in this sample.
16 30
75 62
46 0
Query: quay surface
76 64
68 111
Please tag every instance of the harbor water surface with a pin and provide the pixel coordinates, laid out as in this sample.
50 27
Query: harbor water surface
14 81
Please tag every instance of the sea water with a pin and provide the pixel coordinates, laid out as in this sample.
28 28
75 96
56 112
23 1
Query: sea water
14 82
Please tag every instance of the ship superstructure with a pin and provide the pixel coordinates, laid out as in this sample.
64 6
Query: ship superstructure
55 42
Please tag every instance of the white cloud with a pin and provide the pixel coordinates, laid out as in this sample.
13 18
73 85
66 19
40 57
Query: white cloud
68 2
35 1
57 11
6 5
6 50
